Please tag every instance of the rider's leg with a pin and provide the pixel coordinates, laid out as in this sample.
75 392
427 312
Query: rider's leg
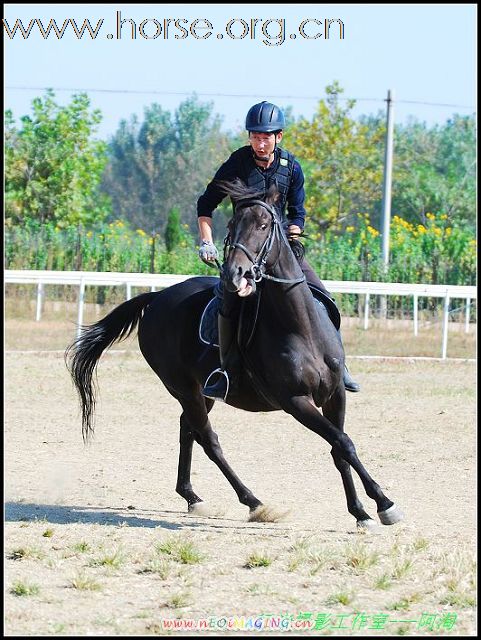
225 379
312 278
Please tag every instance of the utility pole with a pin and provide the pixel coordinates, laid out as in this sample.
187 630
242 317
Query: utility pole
386 191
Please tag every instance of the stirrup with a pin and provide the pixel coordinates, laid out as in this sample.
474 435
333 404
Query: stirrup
208 393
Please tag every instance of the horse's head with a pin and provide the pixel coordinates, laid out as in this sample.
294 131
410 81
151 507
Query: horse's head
251 236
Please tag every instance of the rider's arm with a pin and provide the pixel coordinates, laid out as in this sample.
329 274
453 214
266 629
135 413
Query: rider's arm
213 195
205 228
296 212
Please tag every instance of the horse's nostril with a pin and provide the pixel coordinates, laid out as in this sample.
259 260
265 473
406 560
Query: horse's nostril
239 271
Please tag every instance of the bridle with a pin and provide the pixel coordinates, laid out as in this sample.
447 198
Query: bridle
258 268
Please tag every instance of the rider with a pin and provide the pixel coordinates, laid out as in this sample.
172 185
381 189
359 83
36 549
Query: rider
258 164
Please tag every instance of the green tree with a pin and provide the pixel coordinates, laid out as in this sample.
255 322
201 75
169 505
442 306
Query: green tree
435 170
164 162
173 230
342 161
53 164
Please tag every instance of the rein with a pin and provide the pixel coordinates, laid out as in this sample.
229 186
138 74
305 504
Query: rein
258 268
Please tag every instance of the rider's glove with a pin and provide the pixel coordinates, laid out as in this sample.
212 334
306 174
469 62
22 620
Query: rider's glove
208 252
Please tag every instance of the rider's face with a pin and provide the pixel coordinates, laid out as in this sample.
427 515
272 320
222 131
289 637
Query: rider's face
263 144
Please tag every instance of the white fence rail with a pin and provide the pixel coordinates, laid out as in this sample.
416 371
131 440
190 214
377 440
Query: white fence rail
160 281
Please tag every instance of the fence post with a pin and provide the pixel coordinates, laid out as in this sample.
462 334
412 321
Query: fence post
80 314
468 311
445 326
366 310
415 313
129 290
39 301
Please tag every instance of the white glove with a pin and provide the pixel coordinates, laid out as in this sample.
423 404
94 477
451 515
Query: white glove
208 252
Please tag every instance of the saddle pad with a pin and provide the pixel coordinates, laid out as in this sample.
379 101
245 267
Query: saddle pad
208 326
209 329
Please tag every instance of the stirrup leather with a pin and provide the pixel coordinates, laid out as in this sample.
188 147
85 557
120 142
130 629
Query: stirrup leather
206 384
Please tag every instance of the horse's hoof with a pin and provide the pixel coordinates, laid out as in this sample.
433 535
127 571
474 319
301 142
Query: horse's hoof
198 509
391 515
262 513
367 526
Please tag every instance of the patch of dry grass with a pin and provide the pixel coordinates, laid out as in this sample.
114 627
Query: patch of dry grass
56 329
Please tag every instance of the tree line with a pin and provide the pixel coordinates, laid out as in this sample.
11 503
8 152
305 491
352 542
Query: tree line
150 173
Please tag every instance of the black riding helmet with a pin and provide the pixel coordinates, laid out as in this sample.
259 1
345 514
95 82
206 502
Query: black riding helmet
265 117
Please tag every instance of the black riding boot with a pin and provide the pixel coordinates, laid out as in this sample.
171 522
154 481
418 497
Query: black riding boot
224 383
349 383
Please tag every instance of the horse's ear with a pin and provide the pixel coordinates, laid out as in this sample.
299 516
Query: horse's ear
272 194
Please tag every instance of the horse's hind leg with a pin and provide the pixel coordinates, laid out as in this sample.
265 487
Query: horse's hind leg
334 410
198 427
301 409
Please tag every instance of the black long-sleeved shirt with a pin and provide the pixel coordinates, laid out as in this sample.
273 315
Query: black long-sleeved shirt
237 167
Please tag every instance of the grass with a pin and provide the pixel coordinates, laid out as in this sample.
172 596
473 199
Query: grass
111 560
81 547
180 551
360 558
404 604
82 582
256 560
54 331
402 568
340 597
460 599
162 567
26 553
48 533
21 588
260 590
178 600
383 582
420 544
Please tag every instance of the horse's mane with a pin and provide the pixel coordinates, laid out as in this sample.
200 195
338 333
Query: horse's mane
238 190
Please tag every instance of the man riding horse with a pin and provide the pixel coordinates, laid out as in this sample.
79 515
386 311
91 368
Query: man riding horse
260 164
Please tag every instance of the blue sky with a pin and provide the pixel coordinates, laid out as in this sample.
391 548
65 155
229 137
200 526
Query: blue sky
425 53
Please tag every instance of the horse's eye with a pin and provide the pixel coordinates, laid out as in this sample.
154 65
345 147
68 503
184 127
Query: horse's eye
263 227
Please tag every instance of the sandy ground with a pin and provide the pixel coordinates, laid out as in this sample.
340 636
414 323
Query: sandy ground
97 542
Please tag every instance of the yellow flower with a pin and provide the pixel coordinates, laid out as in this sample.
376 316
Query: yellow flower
448 231
430 216
89 234
372 231
141 232
421 228
350 229
444 217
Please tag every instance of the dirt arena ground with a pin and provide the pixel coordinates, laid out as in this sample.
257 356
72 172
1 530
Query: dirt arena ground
97 542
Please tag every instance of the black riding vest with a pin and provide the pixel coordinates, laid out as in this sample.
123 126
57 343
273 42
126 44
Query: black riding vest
260 180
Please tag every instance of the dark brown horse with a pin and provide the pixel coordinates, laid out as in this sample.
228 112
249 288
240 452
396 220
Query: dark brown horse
293 359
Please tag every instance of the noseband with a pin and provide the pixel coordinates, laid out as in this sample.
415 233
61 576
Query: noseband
258 268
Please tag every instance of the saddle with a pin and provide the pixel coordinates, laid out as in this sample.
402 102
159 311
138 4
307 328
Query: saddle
208 326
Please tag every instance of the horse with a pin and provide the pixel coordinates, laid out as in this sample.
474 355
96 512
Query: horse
293 359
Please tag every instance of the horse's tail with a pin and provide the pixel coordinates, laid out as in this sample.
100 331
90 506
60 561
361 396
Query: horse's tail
82 355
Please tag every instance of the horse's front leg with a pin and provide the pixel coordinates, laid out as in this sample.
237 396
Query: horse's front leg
184 486
197 422
306 413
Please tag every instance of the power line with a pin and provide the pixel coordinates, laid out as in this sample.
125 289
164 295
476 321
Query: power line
232 95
